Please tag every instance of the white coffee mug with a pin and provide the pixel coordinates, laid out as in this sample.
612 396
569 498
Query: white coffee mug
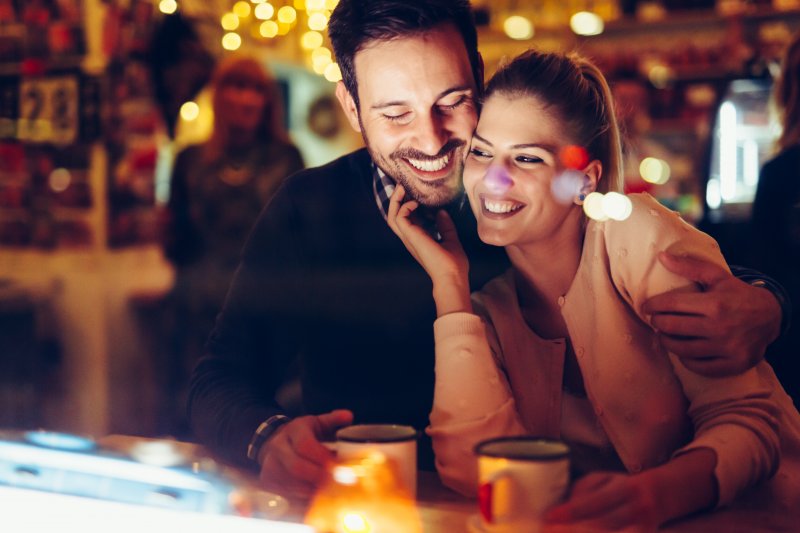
397 443
520 478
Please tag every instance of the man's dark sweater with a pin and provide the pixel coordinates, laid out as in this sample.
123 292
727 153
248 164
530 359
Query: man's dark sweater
326 288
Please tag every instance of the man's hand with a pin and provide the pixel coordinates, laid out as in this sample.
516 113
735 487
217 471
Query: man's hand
721 331
294 460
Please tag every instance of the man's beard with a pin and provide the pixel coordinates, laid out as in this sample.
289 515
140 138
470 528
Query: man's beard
435 193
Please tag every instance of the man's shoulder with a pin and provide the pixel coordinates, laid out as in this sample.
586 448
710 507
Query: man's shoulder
353 167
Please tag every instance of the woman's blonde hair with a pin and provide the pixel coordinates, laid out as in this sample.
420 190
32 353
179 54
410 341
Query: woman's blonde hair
787 95
578 94
246 71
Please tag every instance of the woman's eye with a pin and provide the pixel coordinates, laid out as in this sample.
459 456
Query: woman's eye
529 159
478 153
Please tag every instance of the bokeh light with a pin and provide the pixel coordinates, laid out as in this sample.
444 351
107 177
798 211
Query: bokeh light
333 73
168 7
617 206
330 5
321 52
231 41
190 111
241 9
311 40
586 23
574 157
315 5
355 523
654 170
229 21
287 14
264 11
497 179
518 27
593 207
269 29
317 21
566 186
59 179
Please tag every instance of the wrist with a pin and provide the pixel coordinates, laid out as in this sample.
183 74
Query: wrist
778 305
451 295
262 434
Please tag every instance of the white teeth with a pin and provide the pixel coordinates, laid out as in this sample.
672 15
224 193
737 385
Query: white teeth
494 206
430 166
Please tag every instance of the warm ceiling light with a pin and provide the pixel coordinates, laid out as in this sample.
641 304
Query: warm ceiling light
168 7
242 9
229 21
311 40
333 73
320 52
518 27
287 14
231 41
269 29
315 5
317 21
586 23
264 11
190 111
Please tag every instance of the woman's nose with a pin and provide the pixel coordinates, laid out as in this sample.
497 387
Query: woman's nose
497 179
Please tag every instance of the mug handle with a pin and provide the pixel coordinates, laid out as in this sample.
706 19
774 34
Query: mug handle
486 494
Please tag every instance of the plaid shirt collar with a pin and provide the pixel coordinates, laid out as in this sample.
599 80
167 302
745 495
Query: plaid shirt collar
383 187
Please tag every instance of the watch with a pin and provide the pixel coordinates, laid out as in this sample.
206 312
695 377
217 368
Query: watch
263 433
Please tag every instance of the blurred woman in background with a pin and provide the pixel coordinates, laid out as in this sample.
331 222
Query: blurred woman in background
218 188
776 214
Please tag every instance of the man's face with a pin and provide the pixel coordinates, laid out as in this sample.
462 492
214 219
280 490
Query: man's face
417 110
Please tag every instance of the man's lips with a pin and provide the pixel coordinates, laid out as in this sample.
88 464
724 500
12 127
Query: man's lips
432 169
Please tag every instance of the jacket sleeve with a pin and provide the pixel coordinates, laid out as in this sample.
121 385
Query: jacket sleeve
472 399
735 416
233 386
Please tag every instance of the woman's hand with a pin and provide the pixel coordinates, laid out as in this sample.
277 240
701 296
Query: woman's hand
445 261
609 501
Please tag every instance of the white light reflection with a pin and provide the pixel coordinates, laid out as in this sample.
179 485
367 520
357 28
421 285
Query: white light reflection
566 186
750 164
727 151
586 23
593 207
713 196
617 206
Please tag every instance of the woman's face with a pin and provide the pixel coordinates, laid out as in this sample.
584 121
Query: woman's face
243 105
520 136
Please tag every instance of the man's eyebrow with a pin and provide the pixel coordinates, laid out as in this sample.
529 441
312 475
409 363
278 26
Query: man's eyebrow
451 90
547 147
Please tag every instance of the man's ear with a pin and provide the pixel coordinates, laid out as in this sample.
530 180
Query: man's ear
348 106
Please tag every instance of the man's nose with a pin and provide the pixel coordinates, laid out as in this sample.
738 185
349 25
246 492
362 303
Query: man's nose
431 134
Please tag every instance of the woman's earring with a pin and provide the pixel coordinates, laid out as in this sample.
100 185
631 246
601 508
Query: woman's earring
581 197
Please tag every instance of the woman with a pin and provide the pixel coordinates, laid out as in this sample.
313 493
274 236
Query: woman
558 345
776 213
218 189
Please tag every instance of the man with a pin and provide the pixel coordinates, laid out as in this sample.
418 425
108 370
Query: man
324 281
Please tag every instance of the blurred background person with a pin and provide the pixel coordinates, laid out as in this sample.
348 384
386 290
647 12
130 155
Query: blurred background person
776 214
217 190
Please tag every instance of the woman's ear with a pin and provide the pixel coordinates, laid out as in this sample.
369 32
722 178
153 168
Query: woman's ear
591 179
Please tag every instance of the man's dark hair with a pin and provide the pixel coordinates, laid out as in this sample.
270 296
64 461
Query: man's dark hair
355 23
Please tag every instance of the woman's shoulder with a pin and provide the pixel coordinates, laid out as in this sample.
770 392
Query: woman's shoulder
497 294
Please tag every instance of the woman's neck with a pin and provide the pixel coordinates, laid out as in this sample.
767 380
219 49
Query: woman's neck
545 269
